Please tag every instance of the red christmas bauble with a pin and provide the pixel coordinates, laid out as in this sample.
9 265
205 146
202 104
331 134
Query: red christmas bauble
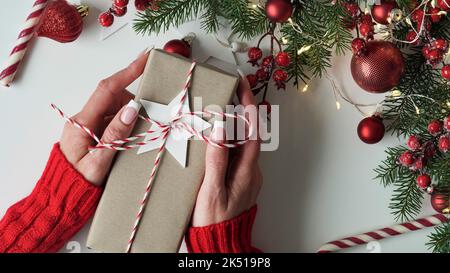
179 47
382 12
283 59
446 72
423 181
444 4
61 22
371 130
279 10
106 19
440 200
380 69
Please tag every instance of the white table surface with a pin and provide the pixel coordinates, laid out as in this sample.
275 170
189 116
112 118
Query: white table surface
318 185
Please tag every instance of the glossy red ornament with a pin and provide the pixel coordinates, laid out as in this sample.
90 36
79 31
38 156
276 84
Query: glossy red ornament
252 80
61 22
371 130
382 12
440 200
423 181
279 10
444 4
406 159
106 19
119 12
141 5
380 69
120 3
435 127
179 47
282 59
446 72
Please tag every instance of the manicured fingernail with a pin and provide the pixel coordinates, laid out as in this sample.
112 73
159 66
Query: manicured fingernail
130 112
218 132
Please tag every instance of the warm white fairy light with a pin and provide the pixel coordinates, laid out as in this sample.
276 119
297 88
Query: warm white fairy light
338 105
396 93
417 109
304 49
284 40
305 88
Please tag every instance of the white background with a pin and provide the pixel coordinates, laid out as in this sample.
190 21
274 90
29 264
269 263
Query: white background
318 186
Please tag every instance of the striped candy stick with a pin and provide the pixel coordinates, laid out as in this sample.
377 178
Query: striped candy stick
20 48
383 233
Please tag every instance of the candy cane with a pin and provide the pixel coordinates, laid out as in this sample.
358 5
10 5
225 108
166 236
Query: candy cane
380 234
20 48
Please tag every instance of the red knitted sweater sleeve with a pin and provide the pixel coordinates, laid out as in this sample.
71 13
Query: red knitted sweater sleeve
231 236
59 206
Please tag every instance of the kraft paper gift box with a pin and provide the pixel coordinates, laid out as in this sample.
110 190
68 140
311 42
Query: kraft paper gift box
174 191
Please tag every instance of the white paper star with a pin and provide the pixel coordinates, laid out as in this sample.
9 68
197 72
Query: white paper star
177 140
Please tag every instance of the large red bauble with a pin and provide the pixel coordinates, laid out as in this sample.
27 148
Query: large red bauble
61 22
440 200
178 47
380 68
381 12
279 10
371 130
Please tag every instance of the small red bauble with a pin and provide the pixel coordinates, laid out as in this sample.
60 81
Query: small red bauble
266 104
382 12
423 181
446 72
444 4
120 3
179 47
366 29
279 10
252 80
282 59
414 143
280 75
358 46
141 5
254 53
380 69
267 62
444 144
262 74
435 16
435 127
106 19
440 200
371 130
119 12
406 159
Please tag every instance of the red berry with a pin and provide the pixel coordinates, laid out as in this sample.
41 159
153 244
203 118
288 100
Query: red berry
141 5
435 127
267 104
435 17
406 159
262 74
252 80
280 75
444 4
358 45
254 54
352 9
434 55
418 15
444 144
106 19
366 19
419 164
426 51
414 143
119 12
423 181
441 44
283 59
366 29
446 72
429 150
267 61
120 3
412 36
447 123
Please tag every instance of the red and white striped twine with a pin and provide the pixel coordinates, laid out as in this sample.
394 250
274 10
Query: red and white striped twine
20 48
380 234
164 132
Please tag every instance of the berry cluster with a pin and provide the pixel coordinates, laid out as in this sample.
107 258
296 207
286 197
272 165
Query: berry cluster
268 64
357 19
119 9
420 152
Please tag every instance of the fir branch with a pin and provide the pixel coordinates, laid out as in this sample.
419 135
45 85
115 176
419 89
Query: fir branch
406 201
389 169
440 239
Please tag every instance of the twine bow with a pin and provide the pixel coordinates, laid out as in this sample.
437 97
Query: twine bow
163 131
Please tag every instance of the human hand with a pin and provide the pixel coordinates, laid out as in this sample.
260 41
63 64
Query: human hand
106 114
232 179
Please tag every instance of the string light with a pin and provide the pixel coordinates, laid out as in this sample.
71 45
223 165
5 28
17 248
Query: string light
396 93
338 105
284 40
305 88
304 49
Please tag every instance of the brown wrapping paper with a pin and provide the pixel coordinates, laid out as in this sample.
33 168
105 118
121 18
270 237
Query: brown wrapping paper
174 191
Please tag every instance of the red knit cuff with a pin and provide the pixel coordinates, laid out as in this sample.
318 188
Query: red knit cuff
231 236
60 204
